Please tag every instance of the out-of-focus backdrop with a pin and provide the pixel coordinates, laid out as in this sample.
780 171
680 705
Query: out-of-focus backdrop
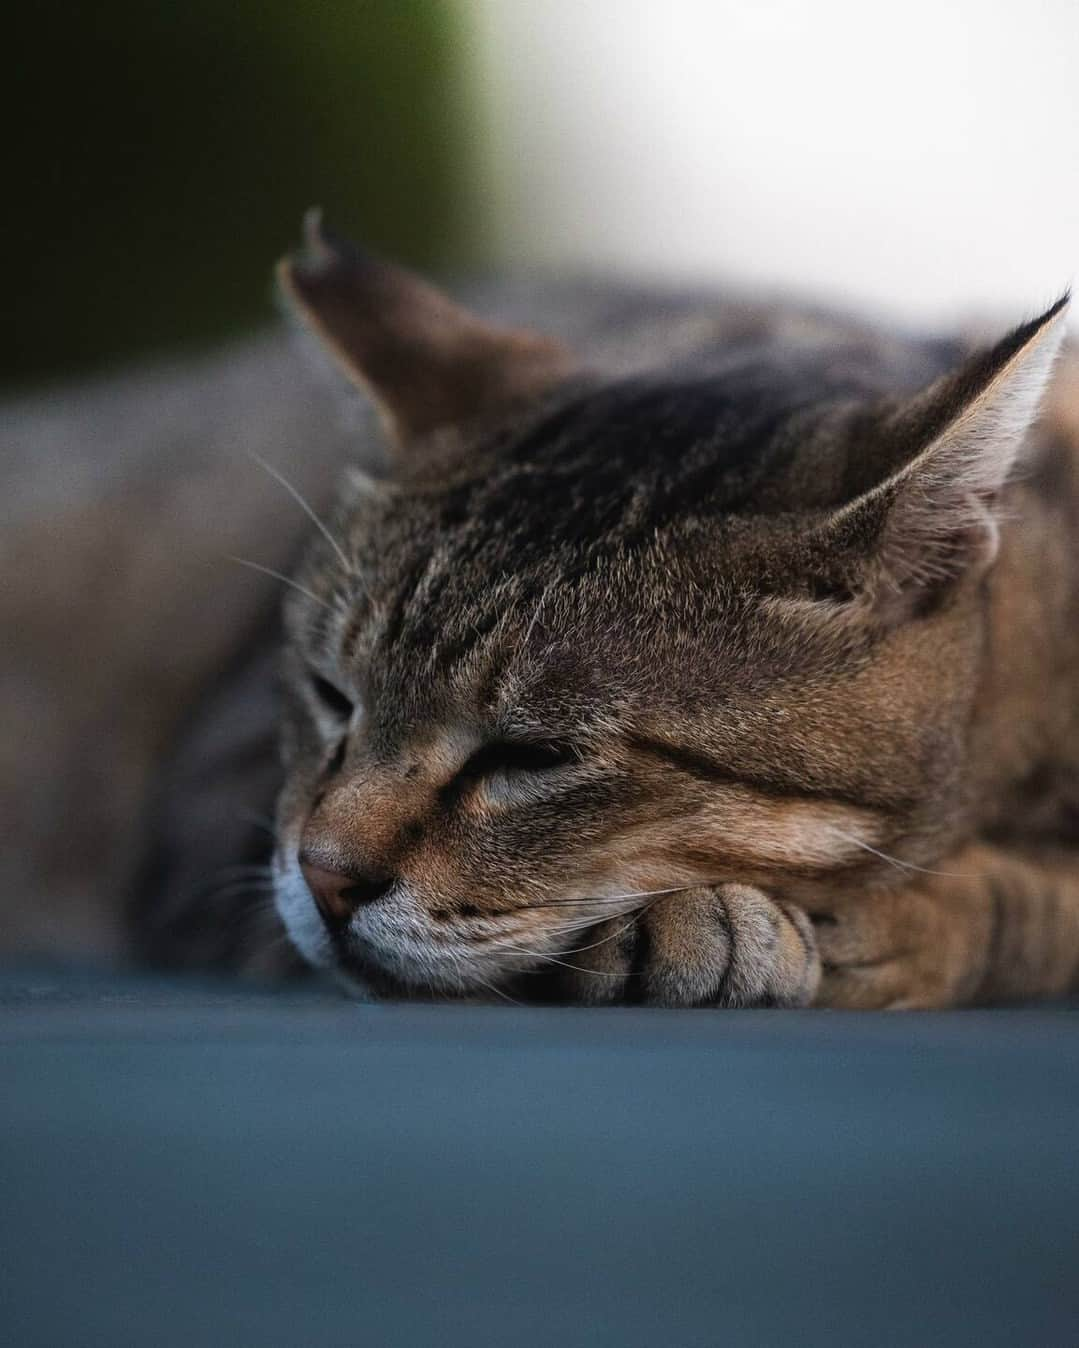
921 158
207 1165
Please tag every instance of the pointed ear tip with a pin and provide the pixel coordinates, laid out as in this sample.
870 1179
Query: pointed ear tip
324 248
1049 330
319 253
311 225
320 250
291 270
1059 307
1045 331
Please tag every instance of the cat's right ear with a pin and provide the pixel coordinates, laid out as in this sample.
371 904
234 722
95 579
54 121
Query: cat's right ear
427 362
944 457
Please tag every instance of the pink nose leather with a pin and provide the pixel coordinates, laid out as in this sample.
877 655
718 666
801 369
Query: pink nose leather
338 894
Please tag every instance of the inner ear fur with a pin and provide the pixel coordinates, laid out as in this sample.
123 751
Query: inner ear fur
426 362
948 452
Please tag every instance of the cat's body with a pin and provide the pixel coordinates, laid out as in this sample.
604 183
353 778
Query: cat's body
124 497
646 681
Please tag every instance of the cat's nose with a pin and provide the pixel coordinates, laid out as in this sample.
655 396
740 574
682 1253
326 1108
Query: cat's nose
338 893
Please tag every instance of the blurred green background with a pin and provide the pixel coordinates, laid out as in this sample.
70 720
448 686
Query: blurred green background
162 154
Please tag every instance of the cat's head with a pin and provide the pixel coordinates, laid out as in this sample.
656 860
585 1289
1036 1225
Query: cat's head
598 638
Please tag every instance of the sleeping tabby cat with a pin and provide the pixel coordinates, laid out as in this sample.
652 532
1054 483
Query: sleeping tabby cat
726 654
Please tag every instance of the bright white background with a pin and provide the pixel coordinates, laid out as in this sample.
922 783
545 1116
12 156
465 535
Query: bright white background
923 156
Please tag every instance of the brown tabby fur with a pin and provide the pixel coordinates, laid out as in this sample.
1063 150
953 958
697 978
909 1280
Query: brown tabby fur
745 675
737 602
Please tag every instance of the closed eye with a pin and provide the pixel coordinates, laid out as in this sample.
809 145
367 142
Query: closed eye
332 699
532 756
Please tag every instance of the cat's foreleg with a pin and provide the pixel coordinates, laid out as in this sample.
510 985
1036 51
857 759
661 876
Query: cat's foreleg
988 925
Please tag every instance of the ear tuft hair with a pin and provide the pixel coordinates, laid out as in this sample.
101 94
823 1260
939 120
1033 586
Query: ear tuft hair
957 443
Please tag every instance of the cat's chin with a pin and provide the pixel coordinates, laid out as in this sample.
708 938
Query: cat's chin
412 971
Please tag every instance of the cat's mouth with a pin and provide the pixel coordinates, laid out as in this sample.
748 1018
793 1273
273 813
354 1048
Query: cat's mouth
395 937
401 943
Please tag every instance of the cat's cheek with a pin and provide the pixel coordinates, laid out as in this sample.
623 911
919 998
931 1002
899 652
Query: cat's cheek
761 833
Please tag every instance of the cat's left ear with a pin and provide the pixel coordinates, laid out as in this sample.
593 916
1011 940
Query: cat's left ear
426 362
951 449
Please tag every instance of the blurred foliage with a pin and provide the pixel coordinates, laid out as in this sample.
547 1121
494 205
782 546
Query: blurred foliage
163 151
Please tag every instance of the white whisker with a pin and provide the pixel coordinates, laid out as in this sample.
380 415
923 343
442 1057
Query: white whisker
563 964
285 580
596 899
304 505
897 861
535 618
655 895
497 991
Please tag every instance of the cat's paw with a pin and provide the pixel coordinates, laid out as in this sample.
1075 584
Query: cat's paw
728 945
905 950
